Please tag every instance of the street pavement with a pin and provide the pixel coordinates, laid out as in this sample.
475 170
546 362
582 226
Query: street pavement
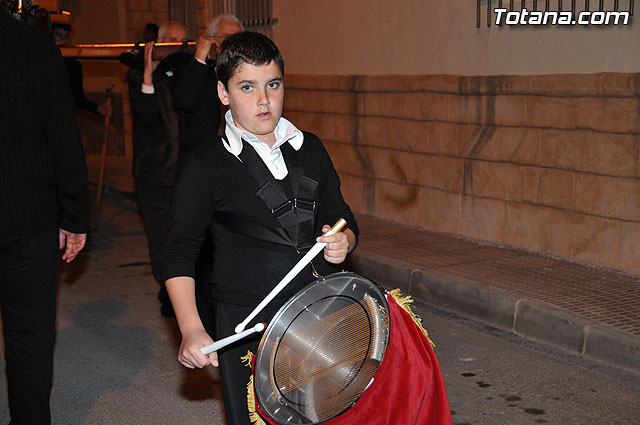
494 377
115 358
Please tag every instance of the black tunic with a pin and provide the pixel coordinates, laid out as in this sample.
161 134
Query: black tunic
43 175
195 97
245 269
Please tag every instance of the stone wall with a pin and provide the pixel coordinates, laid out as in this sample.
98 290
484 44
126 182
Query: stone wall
549 163
140 12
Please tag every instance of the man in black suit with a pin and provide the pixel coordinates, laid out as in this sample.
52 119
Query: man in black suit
43 187
155 143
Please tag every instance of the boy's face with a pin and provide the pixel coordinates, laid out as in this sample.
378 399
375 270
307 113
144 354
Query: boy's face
255 95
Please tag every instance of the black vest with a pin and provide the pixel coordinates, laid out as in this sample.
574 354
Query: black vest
296 217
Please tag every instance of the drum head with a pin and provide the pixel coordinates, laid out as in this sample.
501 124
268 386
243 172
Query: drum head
322 349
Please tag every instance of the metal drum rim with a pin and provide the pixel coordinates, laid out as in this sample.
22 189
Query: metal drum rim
260 361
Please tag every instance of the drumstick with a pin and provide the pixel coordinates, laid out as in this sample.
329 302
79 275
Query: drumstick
208 349
319 246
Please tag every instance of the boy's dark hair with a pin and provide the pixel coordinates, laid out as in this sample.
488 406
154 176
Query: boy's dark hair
246 47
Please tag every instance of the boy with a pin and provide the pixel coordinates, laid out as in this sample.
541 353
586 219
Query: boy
267 191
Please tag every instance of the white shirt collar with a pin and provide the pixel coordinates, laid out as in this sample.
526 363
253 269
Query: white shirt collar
271 156
285 131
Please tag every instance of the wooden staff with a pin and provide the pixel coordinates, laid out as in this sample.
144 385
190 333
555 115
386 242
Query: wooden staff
112 51
103 158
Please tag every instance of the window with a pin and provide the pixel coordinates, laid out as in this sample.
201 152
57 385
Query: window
255 15
185 11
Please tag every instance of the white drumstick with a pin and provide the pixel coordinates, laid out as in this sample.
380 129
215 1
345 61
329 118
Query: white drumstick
208 349
319 246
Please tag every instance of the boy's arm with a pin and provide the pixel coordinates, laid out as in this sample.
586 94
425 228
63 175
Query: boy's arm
191 212
182 293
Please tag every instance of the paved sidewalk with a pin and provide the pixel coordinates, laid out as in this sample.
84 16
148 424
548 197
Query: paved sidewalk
589 310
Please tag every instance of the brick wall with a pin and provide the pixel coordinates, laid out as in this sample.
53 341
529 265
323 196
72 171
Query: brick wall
549 162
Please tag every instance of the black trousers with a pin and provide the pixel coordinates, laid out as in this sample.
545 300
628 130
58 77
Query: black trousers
154 201
233 373
28 267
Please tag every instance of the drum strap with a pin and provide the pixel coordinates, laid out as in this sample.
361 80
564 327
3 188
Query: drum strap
247 227
296 217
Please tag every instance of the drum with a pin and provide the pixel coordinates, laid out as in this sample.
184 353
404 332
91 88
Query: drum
322 350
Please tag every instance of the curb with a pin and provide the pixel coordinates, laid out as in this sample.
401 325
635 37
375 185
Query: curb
529 318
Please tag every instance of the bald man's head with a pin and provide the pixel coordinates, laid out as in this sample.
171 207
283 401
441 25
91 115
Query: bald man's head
172 32
221 27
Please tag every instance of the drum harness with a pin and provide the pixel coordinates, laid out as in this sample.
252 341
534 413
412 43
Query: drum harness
297 218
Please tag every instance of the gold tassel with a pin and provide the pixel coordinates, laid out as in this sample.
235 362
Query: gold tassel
246 359
254 417
405 303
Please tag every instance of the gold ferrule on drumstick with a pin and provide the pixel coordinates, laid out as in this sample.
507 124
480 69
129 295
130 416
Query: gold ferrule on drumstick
337 227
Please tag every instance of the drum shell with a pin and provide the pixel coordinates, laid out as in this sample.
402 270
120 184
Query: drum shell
321 363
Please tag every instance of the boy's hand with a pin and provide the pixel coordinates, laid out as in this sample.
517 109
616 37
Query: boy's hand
190 355
337 245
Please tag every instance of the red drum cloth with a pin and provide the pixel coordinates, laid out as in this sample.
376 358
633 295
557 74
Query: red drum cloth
408 388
